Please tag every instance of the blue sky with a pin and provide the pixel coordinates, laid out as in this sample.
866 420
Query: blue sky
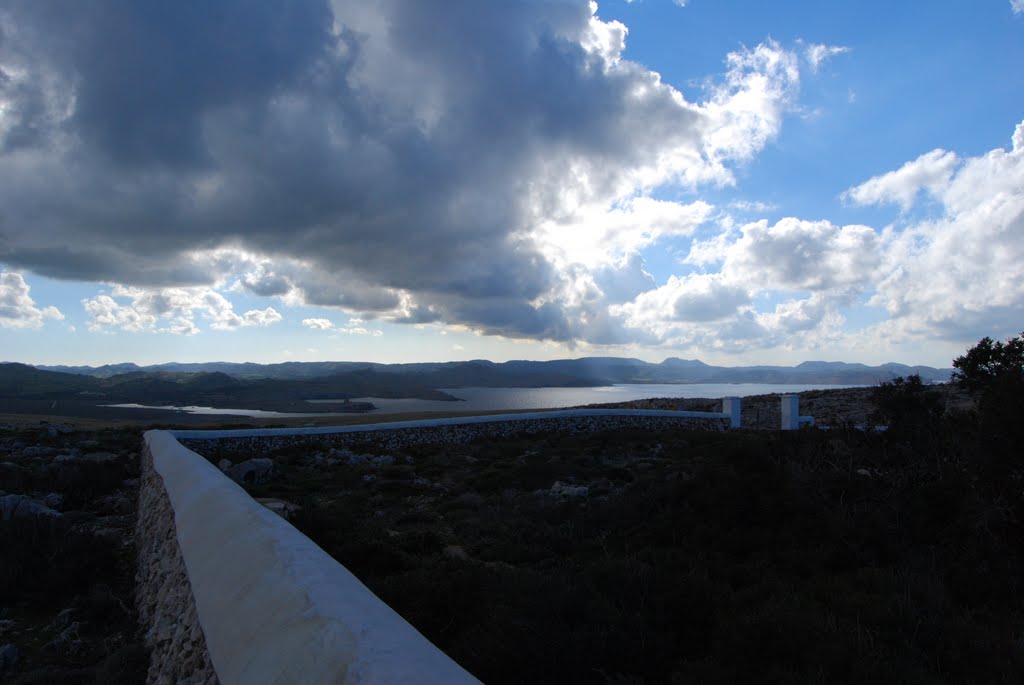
737 181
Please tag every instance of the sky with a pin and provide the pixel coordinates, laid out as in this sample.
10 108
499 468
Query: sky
737 181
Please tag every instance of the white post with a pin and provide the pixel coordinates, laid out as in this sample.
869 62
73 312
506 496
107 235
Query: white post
790 412
791 418
731 407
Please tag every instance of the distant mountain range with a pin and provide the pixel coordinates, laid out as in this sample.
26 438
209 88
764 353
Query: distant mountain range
286 387
584 372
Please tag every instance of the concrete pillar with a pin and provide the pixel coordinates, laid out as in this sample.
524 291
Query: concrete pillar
790 412
791 418
731 407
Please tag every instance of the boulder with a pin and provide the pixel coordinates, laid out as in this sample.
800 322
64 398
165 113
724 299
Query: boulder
22 507
37 451
252 471
8 658
279 506
100 457
565 490
114 504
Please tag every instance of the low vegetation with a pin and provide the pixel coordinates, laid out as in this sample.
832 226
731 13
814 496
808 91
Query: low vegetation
67 574
636 557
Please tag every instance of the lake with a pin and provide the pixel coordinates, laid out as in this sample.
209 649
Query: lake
217 411
496 399
490 399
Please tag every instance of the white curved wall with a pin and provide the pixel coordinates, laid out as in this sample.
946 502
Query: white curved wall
274 607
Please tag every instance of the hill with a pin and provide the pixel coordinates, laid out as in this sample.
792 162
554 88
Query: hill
582 372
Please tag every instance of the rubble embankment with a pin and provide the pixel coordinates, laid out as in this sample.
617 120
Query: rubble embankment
68 503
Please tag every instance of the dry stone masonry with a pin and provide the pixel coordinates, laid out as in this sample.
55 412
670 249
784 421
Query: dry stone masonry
229 592
164 597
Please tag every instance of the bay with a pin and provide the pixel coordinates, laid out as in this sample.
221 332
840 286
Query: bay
499 399
496 399
218 411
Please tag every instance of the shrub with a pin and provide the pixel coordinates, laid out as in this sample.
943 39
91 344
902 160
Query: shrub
912 412
990 364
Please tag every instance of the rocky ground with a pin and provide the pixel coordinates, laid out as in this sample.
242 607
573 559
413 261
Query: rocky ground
655 554
830 408
68 500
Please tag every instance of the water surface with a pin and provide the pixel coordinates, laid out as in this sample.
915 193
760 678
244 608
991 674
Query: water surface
490 399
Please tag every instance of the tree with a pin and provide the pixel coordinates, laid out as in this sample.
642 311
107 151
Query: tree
991 365
994 373
911 411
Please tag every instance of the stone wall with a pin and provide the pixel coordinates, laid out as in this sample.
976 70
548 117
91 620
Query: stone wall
166 606
230 592
270 605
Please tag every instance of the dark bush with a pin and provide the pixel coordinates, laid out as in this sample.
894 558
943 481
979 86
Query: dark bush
47 561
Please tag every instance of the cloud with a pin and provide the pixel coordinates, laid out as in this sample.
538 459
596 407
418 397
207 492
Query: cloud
697 298
794 254
1017 6
170 310
261 317
930 172
746 111
318 324
960 275
17 308
411 161
816 54
354 327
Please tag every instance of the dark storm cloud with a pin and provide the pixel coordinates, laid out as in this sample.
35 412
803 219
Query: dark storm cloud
144 73
410 144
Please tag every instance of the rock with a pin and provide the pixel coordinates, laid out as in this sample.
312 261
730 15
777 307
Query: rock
252 471
470 500
54 500
62 620
8 658
279 506
115 504
224 465
565 490
22 507
99 457
456 552
37 451
68 642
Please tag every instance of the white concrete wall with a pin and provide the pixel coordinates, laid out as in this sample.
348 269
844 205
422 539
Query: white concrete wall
457 421
274 607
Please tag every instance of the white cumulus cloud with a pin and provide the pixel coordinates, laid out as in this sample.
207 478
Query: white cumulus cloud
930 172
17 308
170 310
961 275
